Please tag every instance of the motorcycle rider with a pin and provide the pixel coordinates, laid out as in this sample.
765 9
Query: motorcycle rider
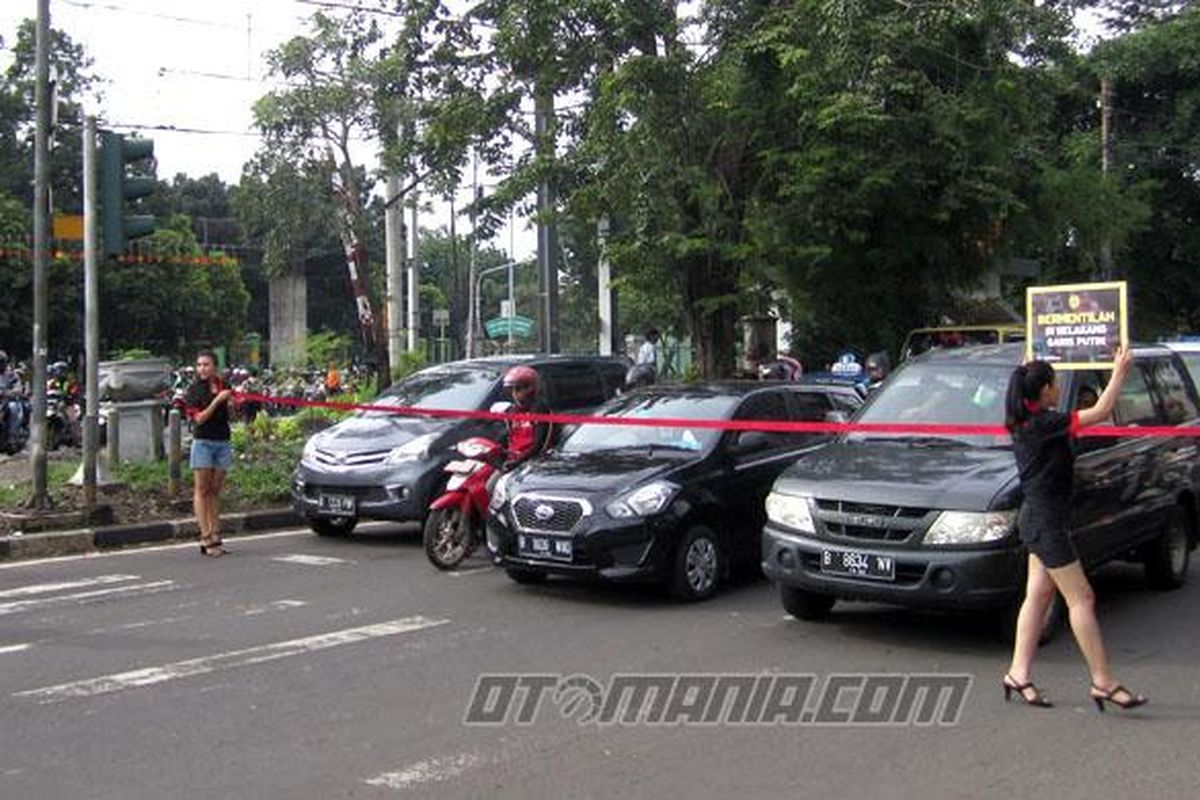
645 366
12 406
523 438
878 366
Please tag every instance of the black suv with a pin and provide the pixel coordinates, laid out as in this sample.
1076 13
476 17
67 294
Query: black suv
639 502
930 520
377 465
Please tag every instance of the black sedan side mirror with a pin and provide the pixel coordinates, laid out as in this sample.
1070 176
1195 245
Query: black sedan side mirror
837 417
750 441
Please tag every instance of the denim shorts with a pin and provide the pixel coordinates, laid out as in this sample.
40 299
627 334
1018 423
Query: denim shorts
211 454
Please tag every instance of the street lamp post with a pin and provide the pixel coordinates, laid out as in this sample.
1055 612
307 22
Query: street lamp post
508 265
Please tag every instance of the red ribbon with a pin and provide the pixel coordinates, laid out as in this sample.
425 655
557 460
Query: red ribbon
771 426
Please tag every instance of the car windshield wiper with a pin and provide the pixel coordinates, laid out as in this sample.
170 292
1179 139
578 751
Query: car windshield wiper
914 441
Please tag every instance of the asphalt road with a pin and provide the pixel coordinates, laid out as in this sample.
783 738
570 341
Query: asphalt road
298 667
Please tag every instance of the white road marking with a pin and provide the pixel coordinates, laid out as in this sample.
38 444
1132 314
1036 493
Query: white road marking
13 648
458 573
309 561
428 771
289 604
45 588
81 598
129 626
149 676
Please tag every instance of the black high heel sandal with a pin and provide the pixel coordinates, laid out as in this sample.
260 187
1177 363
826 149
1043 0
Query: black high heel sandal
212 548
1010 685
1110 696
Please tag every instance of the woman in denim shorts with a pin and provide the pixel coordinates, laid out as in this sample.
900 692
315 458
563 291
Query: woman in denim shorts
208 406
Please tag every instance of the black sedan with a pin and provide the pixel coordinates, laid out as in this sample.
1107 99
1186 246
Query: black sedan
672 502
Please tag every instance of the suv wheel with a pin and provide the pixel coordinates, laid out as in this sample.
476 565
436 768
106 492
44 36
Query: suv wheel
1167 557
697 567
806 605
332 526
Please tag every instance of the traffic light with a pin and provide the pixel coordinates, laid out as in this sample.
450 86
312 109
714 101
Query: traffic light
118 188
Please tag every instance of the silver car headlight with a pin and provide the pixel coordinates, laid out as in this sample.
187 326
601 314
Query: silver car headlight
791 511
309 454
970 527
414 450
500 492
644 501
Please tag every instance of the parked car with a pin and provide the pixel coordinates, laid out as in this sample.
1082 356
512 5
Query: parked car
679 504
931 520
1189 351
921 339
379 465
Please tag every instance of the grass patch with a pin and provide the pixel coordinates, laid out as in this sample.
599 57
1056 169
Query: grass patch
16 495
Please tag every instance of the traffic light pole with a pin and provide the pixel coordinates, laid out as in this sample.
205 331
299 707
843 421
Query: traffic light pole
41 243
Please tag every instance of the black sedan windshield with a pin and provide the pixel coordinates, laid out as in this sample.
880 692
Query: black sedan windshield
942 394
448 389
594 438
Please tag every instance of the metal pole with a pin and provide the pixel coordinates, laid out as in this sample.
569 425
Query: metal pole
394 249
174 450
41 245
604 281
91 314
512 304
1106 157
473 300
414 278
547 247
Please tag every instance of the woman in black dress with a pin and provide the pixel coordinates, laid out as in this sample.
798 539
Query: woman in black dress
1042 443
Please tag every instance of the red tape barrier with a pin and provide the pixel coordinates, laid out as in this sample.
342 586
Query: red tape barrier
1106 431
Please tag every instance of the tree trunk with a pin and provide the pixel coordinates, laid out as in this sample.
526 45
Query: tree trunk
710 299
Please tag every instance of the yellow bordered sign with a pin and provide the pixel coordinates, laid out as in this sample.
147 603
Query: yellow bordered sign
1078 325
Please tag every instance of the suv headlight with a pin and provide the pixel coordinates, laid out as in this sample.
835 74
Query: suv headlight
791 511
970 527
500 492
644 501
415 450
310 450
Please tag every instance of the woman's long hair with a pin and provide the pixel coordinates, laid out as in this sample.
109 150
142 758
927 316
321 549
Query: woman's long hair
1025 386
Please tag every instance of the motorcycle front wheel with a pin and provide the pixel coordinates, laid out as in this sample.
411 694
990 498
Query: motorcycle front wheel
448 537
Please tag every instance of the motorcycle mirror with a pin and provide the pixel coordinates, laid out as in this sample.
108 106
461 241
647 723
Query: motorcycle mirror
501 407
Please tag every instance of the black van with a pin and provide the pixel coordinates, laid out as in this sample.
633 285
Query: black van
931 520
377 465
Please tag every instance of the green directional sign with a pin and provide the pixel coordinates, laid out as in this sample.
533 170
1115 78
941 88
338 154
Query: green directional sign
499 327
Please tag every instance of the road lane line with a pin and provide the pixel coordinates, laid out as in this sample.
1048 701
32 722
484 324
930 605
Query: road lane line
149 676
13 648
82 598
458 573
430 770
310 560
45 588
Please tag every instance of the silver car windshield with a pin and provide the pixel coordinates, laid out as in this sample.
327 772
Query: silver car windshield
445 389
594 438
942 394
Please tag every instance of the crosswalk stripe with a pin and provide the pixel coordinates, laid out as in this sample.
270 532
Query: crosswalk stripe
45 588
81 598
150 676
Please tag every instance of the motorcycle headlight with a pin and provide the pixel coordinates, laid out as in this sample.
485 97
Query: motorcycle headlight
500 491
414 450
970 527
644 501
791 511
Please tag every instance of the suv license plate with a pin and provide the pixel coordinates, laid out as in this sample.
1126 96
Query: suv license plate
858 565
544 547
335 504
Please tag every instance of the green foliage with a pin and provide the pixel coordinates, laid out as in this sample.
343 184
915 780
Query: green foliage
17 495
324 347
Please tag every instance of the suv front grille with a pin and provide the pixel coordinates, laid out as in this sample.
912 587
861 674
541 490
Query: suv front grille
553 515
869 521
360 459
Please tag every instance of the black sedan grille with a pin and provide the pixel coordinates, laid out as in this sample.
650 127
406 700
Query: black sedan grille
547 514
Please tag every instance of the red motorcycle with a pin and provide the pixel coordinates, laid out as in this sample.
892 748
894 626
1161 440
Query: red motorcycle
456 522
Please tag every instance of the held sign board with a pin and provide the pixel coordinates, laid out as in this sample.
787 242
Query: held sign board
1076 326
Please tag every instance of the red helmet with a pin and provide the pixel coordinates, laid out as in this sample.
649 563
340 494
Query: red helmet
522 377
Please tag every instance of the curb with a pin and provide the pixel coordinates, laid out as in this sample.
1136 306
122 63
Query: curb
111 537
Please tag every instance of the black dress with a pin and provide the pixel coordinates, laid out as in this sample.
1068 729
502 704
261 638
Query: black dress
1045 456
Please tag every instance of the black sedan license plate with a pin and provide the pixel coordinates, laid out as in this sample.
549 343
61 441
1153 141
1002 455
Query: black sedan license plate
858 565
544 547
336 504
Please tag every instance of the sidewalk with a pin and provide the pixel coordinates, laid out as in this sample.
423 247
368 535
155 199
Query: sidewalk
104 537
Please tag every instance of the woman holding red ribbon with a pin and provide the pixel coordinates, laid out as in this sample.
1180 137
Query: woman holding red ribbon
1042 443
208 405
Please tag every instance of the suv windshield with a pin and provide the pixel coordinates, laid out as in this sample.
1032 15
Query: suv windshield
945 394
594 438
448 389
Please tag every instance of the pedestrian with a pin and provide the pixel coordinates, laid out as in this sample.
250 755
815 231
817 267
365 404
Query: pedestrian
1045 461
208 404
